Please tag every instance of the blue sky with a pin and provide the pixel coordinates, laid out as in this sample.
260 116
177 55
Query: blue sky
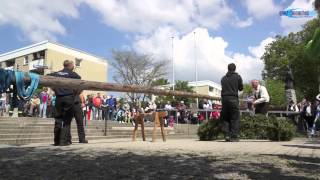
226 30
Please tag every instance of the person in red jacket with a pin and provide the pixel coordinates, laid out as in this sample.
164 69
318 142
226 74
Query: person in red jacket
97 102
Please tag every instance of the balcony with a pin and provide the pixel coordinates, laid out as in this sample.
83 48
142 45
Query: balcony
9 68
36 64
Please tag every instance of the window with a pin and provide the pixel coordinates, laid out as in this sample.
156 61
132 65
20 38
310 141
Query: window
10 63
38 55
210 88
26 60
78 62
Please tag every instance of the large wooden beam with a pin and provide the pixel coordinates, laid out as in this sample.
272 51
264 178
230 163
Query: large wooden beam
50 81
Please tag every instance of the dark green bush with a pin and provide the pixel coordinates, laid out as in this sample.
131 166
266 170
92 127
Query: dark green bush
210 130
281 129
252 127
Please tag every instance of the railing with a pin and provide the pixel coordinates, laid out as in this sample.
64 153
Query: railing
208 111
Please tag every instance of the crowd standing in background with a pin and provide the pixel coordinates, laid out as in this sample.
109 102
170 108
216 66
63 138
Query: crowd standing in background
97 107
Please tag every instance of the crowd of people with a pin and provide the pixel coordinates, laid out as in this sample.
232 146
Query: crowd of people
97 107
46 104
101 107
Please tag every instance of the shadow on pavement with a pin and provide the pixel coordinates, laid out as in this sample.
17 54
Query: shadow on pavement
303 146
77 162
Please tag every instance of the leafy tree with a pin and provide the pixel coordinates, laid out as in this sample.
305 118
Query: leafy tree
276 92
160 82
179 86
289 51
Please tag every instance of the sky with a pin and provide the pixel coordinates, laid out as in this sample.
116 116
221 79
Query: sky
209 33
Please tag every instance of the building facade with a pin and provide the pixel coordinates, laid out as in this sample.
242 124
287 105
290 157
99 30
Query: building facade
206 87
46 57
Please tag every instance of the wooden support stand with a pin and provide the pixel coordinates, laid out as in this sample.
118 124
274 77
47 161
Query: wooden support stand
158 122
138 119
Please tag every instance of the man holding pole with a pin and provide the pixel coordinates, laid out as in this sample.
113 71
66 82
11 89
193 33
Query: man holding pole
64 108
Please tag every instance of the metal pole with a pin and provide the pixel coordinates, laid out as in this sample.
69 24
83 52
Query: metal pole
173 78
196 65
105 127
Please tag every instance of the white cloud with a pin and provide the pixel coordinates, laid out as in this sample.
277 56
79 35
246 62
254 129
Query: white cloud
38 19
246 23
261 8
295 24
211 54
147 15
258 51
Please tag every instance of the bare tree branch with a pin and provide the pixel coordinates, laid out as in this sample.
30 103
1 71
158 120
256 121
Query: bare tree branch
135 69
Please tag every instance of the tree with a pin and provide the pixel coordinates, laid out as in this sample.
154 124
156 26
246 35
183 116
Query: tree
276 92
179 86
132 68
160 82
290 51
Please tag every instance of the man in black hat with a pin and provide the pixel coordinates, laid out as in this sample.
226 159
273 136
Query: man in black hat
231 85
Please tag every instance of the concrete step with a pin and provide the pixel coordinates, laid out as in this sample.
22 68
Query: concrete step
13 141
40 129
74 133
26 120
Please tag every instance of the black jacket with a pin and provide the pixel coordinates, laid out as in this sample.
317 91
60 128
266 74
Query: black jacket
231 83
66 73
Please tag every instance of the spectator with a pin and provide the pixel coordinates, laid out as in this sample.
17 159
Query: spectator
112 103
104 107
34 105
97 102
152 106
292 108
2 104
126 107
181 112
89 105
43 102
168 106
50 107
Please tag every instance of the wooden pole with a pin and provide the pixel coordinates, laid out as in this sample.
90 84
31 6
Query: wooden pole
78 84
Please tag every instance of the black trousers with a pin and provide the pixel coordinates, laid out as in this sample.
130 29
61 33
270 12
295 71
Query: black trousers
78 116
262 108
230 115
63 117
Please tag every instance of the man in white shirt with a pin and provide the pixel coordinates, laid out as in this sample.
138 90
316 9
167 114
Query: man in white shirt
168 106
261 101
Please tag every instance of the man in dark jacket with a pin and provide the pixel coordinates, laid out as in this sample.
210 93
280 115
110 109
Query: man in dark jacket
231 84
65 100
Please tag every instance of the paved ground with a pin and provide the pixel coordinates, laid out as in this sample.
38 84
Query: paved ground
174 159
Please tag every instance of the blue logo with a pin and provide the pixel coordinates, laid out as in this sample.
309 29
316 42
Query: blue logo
298 13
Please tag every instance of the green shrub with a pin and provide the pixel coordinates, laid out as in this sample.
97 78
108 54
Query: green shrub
209 130
281 129
252 127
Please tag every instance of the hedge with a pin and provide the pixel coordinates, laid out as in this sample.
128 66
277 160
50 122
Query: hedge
251 127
